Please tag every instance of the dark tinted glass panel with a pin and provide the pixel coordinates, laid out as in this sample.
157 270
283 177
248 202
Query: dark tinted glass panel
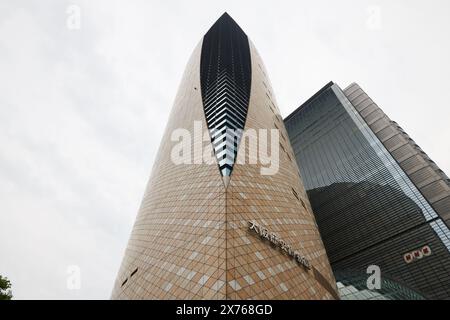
225 75
367 209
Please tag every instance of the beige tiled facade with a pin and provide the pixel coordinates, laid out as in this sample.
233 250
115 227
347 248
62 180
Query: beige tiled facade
191 238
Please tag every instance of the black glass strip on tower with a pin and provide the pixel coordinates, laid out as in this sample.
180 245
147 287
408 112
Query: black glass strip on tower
225 76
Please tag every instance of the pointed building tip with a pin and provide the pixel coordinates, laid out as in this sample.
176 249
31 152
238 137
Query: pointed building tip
225 15
226 20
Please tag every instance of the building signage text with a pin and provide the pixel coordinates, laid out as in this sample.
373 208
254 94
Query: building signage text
417 254
278 242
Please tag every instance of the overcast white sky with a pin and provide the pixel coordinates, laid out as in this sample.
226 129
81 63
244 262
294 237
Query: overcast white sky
82 111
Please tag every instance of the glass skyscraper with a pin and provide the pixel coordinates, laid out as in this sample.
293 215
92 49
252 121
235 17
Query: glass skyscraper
377 198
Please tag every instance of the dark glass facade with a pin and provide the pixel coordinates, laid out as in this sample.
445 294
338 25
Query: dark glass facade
368 210
353 287
225 77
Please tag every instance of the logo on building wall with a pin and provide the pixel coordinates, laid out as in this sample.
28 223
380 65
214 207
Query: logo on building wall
280 243
418 254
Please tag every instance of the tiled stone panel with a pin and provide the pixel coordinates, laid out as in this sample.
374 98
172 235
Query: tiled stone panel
178 239
432 182
191 237
260 270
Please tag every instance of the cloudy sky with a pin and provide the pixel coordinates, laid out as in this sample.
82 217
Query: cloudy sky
86 88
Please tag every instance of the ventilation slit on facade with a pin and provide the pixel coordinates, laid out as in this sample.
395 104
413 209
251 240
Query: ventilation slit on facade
295 193
225 76
303 204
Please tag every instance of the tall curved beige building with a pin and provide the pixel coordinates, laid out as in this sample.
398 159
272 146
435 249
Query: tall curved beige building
225 230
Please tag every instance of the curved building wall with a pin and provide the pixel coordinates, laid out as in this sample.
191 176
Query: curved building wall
191 238
182 205
270 200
